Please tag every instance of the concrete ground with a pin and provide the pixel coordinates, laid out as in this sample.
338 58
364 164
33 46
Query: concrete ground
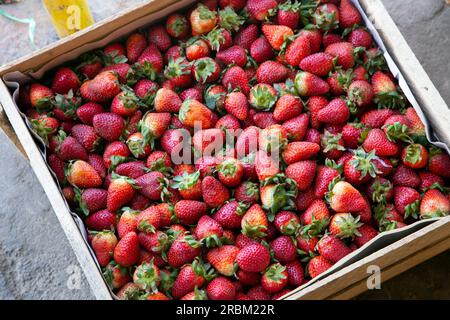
36 261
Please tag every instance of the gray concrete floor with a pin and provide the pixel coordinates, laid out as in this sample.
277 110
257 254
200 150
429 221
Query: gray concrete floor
36 261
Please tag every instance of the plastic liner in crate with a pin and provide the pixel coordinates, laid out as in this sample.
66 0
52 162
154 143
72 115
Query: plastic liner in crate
15 79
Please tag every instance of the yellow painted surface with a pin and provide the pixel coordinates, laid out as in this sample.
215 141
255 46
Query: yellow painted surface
69 16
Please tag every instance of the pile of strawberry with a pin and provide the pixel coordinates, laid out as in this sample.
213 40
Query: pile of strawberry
306 84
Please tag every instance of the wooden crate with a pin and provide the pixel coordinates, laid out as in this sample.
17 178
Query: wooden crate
345 283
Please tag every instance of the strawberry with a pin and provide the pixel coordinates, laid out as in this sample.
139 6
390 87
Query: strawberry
190 211
147 277
120 192
178 72
331 38
263 97
354 134
360 95
315 217
253 258
221 288
265 166
137 145
86 136
260 50
298 50
90 200
233 55
206 70
108 125
196 49
404 176
415 156
299 151
430 181
82 175
434 204
376 118
366 233
439 163
190 277
87 111
332 145
135 45
158 35
150 62
208 140
376 140
118 277
302 172
258 293
235 77
319 64
406 201
326 17
214 192
308 84
386 93
40 97
287 222
223 259
295 273
149 220
114 53
192 112
102 88
202 20
247 192
246 36
219 38
344 52
324 177
195 295
348 14
380 190
230 172
271 72
236 104
254 223
343 197
208 231
177 26
45 126
284 249
318 265
340 80
154 125
360 38
129 291
306 244
90 66
152 185
116 152
336 112
275 278
360 167
287 107
416 126
297 127
127 222
276 34
260 9
332 248
182 251
344 225
189 185
103 244
126 252
289 14
64 80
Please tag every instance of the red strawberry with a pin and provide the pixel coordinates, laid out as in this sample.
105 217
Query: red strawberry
236 103
298 50
276 34
332 145
202 20
254 223
178 72
332 248
246 36
344 52
190 277
247 192
182 251
208 231
259 9
376 118
376 140
190 211
135 45
275 278
289 14
287 107
192 112
354 134
439 163
83 175
220 39
360 38
91 199
430 180
318 265
120 192
314 37
325 175
154 125
233 55
271 72
348 14
108 125
86 136
235 77
230 172
380 190
221 288
326 17
265 166
297 127
158 35
415 156
116 152
102 88
295 273
118 278
360 94
302 172
214 192
103 244
152 185
360 167
319 64
345 198
434 204
197 49
331 38
64 80
149 220
147 277
407 177
206 70
150 62
223 259
308 84
344 225
127 222
284 249
299 151
385 90
177 26
127 251
87 111
260 50
406 201
189 185
366 233
336 112
253 258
